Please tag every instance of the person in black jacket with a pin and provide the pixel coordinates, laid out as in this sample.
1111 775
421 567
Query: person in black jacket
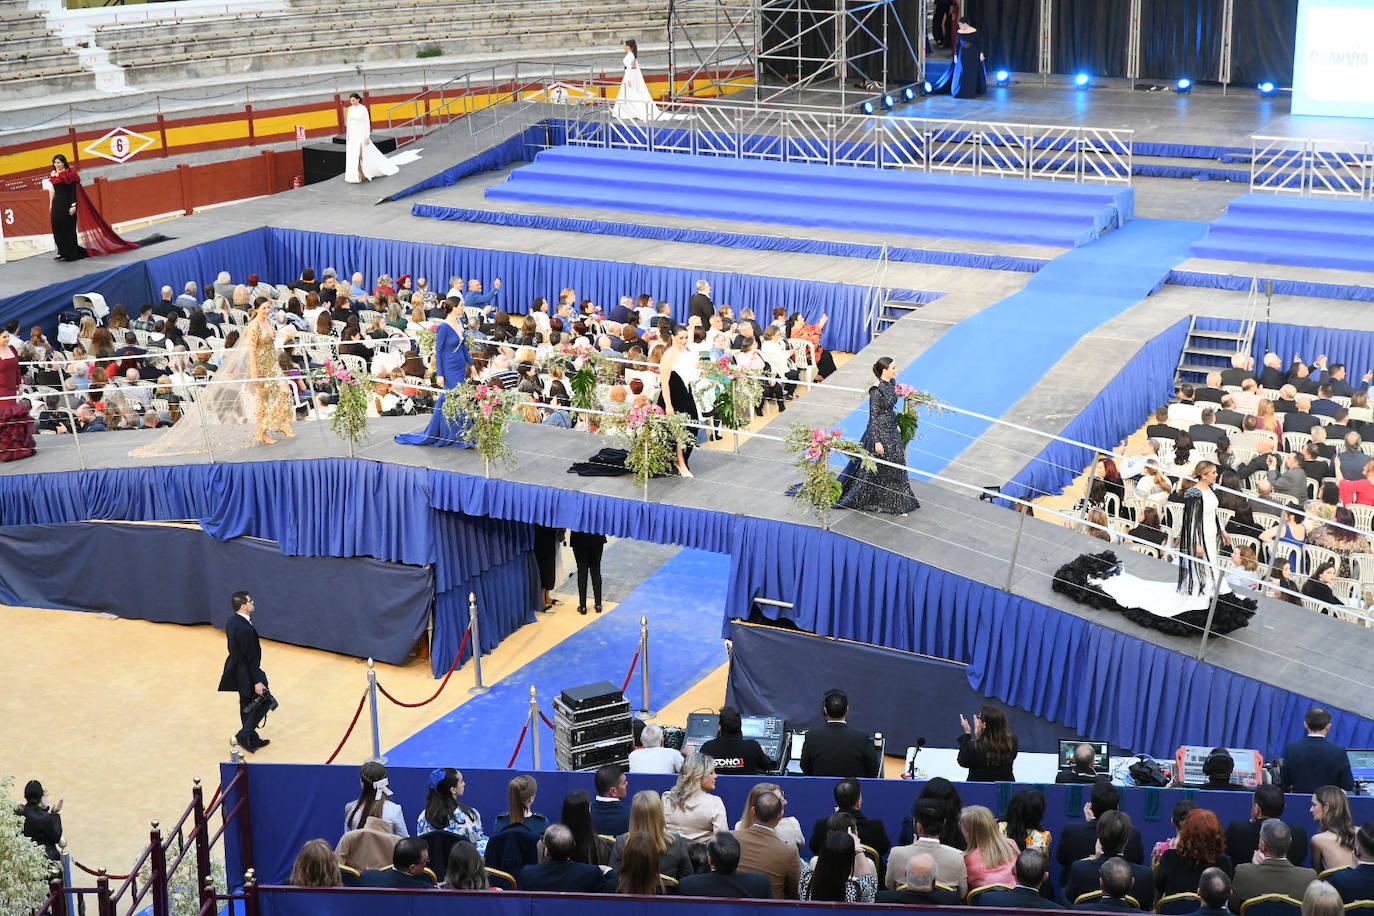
1032 868
1114 832
849 800
724 879
42 822
610 814
732 752
1115 878
988 747
558 872
701 305
587 547
1079 840
409 861
919 878
835 749
1084 768
243 672
1315 760
1357 883
1242 837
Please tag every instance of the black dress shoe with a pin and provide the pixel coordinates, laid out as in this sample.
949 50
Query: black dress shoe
582 609
599 609
262 744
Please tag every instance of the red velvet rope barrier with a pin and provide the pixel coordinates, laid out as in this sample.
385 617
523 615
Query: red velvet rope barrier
344 740
451 668
631 673
518 745
545 719
95 874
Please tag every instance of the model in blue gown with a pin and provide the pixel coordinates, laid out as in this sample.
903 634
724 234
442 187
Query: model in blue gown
454 361
966 78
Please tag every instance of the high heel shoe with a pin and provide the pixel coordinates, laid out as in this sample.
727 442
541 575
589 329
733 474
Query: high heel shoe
582 609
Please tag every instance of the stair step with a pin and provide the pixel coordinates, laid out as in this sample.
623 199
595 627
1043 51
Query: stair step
1210 351
1219 335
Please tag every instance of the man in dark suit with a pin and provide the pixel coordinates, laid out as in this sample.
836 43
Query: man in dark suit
849 799
1160 428
763 851
408 867
724 879
1302 419
243 672
1334 376
1206 431
1214 887
1273 873
732 752
1316 761
558 872
1242 837
1114 831
42 821
919 878
1272 374
1115 878
1314 465
1242 368
1357 883
835 749
1210 393
701 304
1032 868
1228 415
1084 768
1079 841
1323 406
610 814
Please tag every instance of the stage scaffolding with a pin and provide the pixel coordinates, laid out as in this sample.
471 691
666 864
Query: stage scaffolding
833 51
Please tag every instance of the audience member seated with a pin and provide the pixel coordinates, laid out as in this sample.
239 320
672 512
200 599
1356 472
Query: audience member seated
1218 768
1334 846
1154 486
42 821
918 885
1243 522
1359 491
374 801
577 817
1116 879
836 749
841 871
1200 845
1342 538
1214 887
371 846
557 871
950 869
1031 871
991 857
646 818
1357 883
1243 576
1083 767
638 872
1242 837
520 796
849 800
1318 586
1149 529
653 757
764 851
1211 392
1079 840
1114 833
1022 823
1271 872
731 751
464 870
1206 431
987 749
610 813
689 808
1321 899
1228 415
443 810
1160 428
409 867
316 866
1242 370
788 829
725 879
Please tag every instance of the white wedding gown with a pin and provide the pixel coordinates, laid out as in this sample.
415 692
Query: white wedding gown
364 159
634 102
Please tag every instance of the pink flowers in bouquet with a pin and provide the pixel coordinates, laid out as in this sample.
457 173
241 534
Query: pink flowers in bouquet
904 390
339 373
638 417
822 440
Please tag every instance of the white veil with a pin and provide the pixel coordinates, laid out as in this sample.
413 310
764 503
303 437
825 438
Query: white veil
220 416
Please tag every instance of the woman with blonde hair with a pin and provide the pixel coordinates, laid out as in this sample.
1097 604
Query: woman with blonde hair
646 819
1321 899
788 829
1334 847
241 298
521 794
317 865
1266 420
639 866
991 857
689 808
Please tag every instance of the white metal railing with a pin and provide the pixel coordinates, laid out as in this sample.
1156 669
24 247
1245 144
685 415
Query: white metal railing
1312 168
721 127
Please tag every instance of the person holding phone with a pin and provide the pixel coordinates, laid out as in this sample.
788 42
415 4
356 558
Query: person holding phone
42 820
987 748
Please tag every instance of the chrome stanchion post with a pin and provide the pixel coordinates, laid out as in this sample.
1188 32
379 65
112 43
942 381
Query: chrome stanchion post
645 711
372 709
475 638
1015 547
76 437
1211 612
534 723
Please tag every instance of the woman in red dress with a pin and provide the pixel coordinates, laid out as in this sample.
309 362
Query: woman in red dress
74 215
16 426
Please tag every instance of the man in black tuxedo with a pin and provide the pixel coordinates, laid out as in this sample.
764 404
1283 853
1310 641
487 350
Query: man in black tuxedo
1335 377
1242 368
558 872
849 799
1079 841
610 814
1210 393
701 304
1357 883
1302 419
409 867
1324 406
919 878
724 879
1114 831
1315 761
1315 466
243 672
1032 869
1287 401
1115 878
835 749
1242 837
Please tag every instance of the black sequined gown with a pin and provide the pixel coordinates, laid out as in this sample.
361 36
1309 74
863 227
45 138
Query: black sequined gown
885 489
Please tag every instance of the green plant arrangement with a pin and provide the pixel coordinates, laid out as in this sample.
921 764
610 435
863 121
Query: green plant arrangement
431 51
349 421
584 368
24 868
183 895
425 337
488 412
651 438
913 400
736 393
820 487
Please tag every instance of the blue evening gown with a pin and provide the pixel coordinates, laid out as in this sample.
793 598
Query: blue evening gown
451 353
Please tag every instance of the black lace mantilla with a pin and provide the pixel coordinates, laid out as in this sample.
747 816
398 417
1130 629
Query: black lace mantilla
1071 579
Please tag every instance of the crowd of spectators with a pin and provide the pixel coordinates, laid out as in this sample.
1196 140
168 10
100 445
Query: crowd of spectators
1295 451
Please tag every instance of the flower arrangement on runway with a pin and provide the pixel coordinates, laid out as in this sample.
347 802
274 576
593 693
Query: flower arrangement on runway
651 438
737 394
349 421
913 400
489 411
820 487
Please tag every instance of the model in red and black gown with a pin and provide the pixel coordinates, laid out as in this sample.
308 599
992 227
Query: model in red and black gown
16 426
74 215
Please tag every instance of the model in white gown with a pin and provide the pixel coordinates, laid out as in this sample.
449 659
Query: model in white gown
634 102
365 161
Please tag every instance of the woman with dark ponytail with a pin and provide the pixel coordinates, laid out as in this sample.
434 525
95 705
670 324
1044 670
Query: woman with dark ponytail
374 800
444 810
885 488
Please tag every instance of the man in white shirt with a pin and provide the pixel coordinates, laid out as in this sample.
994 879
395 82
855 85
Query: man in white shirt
653 757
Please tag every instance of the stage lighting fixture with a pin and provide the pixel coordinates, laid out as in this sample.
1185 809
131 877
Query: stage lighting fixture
1183 86
867 107
909 93
1001 77
1081 80
1267 89
888 101
927 87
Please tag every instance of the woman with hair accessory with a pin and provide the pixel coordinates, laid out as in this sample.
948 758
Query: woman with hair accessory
443 810
374 800
886 488
73 215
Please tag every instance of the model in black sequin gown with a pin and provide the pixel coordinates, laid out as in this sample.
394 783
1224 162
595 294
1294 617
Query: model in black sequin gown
884 489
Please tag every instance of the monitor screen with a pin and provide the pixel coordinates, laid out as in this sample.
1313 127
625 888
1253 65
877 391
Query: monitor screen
754 726
1361 760
1067 746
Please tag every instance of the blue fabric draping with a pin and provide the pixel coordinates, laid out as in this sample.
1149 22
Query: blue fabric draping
516 148
241 255
1281 287
507 598
731 239
293 803
127 284
1340 345
1142 385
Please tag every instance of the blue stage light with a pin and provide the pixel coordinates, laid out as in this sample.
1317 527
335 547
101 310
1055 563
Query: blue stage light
888 100
1267 89
1080 80
1184 85
867 107
909 93
927 87
1001 77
